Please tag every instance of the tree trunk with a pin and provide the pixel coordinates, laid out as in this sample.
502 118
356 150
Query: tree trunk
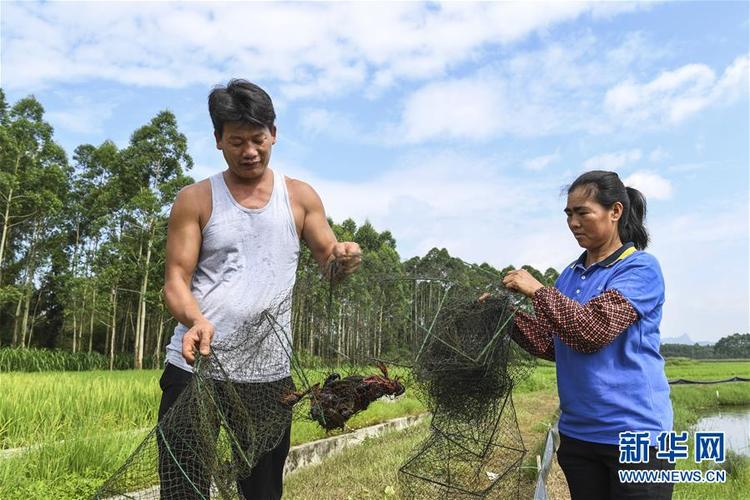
4 237
26 309
33 318
28 284
157 351
340 334
113 323
91 323
93 303
6 220
15 322
140 331
78 332
75 326
128 322
379 345
310 336
357 327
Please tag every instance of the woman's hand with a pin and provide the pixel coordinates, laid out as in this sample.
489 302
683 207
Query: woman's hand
521 281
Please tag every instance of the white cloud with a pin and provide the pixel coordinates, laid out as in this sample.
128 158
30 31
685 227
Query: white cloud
612 161
699 301
553 90
541 162
86 119
320 121
675 95
460 109
659 154
309 50
686 168
481 215
84 113
652 185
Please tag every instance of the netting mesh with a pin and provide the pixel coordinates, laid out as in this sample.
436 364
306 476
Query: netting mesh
460 361
465 369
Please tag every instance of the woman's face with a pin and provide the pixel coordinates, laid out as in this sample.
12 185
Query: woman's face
592 225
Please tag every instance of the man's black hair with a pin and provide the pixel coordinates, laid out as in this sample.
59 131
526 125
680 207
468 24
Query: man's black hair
240 101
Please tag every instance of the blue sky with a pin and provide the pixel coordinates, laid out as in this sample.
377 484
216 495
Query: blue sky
452 125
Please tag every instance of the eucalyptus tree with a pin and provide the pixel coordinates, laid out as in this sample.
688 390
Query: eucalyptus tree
33 185
91 213
152 171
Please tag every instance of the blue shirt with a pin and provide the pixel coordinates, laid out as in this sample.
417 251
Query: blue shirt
622 387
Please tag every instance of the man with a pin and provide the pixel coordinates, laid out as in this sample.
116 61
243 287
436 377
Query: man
232 250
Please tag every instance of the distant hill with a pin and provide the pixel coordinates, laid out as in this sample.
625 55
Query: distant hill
683 339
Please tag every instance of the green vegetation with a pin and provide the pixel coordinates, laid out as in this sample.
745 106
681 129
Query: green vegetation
369 471
706 370
53 406
690 402
14 359
732 346
82 249
82 426
67 405
344 475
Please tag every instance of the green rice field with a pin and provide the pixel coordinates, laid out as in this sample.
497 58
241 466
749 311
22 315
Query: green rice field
77 428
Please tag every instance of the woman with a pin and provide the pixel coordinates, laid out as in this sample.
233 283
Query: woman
600 324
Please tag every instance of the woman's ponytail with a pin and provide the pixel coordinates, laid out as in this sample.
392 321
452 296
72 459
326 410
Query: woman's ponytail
632 224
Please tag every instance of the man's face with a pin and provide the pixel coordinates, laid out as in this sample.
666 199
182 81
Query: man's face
246 148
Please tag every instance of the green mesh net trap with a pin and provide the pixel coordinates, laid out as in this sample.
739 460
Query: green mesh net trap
328 351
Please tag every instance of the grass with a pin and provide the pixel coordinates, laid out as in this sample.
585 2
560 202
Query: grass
73 468
53 406
369 471
85 425
81 426
690 402
706 370
345 477
44 360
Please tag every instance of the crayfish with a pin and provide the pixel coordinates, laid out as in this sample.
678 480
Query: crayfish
341 398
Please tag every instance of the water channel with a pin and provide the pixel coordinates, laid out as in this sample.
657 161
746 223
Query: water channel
734 422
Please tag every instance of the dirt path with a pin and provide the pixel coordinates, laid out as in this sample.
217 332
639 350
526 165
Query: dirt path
369 471
535 413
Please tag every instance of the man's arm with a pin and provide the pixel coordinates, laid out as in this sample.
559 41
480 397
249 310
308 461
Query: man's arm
336 259
183 247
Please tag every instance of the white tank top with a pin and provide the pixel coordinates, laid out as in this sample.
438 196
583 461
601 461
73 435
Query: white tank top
247 264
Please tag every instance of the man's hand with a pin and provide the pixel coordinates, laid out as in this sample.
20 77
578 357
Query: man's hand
197 339
521 281
344 260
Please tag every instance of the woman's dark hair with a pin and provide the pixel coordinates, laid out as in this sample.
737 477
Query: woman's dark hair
240 101
607 188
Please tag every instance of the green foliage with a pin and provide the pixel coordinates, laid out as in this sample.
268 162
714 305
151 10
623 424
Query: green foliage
736 346
84 252
88 423
47 360
693 369
694 351
733 346
64 406
691 402
10 294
